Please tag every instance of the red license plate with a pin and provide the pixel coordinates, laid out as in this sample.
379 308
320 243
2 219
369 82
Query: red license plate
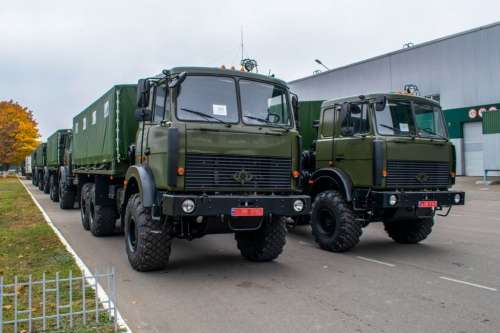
247 211
427 204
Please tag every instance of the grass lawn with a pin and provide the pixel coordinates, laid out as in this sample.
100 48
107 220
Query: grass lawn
28 246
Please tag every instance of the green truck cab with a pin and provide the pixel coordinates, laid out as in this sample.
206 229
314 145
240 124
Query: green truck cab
378 158
58 160
193 151
38 164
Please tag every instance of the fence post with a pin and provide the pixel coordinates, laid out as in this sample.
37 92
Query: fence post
113 295
84 301
30 314
70 299
15 303
1 304
57 300
44 320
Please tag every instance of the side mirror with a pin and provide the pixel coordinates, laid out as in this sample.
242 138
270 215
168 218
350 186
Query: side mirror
347 131
315 124
143 87
143 114
380 103
177 80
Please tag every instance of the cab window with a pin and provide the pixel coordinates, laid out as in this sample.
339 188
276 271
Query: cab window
159 105
354 120
327 123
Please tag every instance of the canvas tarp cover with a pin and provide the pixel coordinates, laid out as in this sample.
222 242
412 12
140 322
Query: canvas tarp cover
103 132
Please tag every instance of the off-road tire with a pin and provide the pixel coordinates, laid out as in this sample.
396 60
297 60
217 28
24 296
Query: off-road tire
148 242
33 179
102 219
46 184
40 181
265 244
54 189
333 223
66 197
410 231
84 214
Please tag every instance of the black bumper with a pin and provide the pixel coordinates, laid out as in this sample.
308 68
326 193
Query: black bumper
412 199
215 205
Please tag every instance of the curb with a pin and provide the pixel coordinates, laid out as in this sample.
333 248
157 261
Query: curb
103 295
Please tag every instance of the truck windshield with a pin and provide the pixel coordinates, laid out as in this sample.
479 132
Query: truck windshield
399 119
264 104
208 99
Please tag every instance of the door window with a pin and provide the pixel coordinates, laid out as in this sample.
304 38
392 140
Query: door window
159 107
327 123
355 120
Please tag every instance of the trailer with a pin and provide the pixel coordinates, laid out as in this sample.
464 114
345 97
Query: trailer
58 156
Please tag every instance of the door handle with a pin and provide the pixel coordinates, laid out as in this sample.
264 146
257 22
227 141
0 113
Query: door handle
339 157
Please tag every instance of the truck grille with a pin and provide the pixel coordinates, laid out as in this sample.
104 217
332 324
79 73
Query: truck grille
234 171
417 174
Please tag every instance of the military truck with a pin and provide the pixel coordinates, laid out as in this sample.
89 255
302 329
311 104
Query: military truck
27 168
56 172
377 158
39 161
190 152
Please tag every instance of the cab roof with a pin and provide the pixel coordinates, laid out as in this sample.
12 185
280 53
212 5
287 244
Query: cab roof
400 96
230 72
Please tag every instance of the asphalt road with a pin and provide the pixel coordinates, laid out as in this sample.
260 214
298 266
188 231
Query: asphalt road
449 283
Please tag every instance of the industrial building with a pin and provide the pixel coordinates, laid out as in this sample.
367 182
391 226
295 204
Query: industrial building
461 71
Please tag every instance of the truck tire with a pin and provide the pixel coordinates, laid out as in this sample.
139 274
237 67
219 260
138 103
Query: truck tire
265 244
83 206
46 184
409 231
53 188
66 197
333 223
40 181
102 219
147 242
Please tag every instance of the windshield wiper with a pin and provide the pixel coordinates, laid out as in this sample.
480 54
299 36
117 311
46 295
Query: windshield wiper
206 115
262 120
390 127
426 130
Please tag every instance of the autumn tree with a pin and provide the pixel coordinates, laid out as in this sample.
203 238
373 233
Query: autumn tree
18 133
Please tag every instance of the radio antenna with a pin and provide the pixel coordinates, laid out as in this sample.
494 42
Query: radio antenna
242 45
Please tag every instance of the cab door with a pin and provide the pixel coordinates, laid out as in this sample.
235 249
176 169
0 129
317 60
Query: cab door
352 151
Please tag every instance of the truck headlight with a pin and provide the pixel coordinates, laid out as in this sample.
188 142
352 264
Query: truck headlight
298 205
188 206
393 200
457 198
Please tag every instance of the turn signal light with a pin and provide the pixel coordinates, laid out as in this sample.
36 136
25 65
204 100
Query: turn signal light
384 173
453 174
295 174
181 171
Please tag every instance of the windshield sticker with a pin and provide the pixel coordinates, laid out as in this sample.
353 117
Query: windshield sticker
219 110
404 127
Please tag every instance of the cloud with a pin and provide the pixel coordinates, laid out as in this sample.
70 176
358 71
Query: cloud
58 56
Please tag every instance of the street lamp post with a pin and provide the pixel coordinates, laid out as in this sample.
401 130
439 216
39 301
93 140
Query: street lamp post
322 64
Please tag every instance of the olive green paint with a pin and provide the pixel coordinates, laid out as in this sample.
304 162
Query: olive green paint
55 147
491 122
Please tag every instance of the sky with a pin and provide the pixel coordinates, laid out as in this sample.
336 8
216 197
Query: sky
58 56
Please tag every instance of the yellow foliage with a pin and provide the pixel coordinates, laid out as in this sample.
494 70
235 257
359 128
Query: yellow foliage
18 132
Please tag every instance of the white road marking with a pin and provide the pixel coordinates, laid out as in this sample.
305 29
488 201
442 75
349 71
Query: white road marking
376 261
102 294
468 283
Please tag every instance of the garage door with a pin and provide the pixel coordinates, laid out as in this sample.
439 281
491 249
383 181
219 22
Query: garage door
473 148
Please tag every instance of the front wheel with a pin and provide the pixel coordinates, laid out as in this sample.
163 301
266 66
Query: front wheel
148 242
333 223
265 244
84 197
410 231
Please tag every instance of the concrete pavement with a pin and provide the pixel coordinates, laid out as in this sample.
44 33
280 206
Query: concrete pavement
449 283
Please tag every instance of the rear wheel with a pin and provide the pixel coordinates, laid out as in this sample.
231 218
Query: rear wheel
148 242
54 190
102 219
83 206
410 231
265 244
40 181
333 223
66 196
46 184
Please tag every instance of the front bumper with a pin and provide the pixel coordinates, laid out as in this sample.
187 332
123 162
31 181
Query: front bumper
215 205
411 199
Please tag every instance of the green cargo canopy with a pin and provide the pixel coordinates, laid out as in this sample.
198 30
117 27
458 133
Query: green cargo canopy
103 132
55 150
40 155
